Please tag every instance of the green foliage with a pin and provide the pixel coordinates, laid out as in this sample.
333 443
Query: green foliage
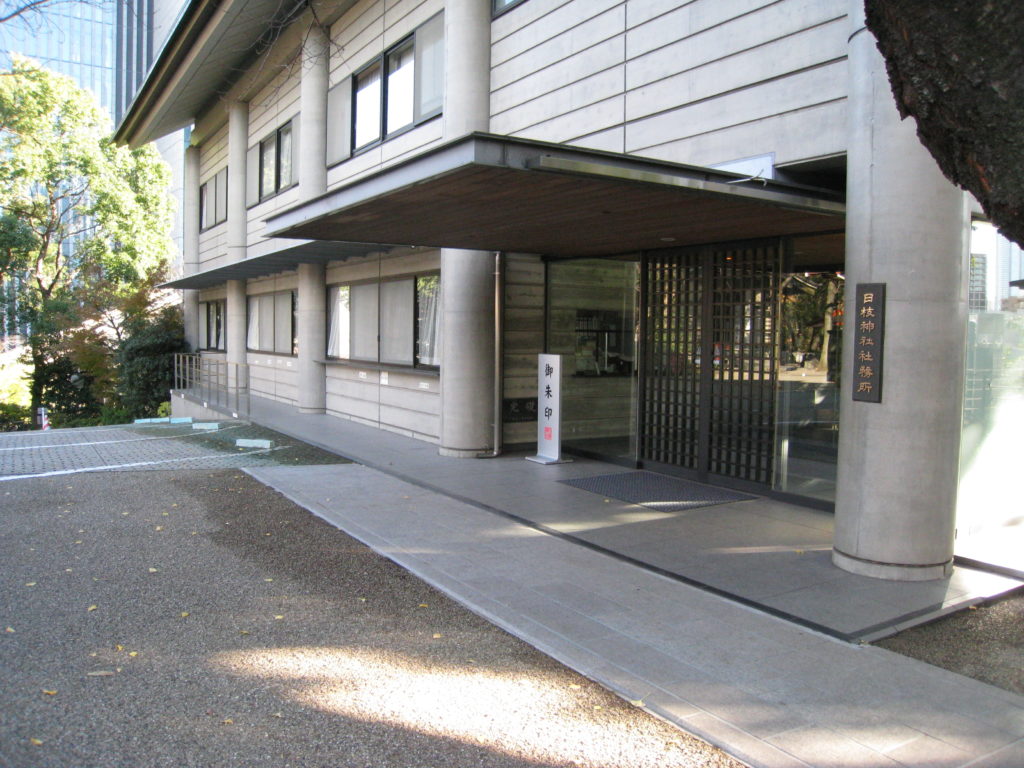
145 362
164 409
85 223
14 417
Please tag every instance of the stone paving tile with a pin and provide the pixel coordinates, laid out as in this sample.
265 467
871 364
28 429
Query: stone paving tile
153 447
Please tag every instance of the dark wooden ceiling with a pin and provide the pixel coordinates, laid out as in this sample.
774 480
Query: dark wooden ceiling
532 211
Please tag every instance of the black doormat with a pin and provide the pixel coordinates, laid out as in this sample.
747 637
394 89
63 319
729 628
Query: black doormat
658 492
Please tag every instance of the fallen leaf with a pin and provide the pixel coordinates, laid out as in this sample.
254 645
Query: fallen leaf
637 702
278 714
228 721
118 647
184 614
159 527
153 570
67 570
9 630
30 584
437 635
575 686
35 742
244 632
361 599
424 605
91 608
278 617
78 542
268 579
165 514
133 654
174 505
49 693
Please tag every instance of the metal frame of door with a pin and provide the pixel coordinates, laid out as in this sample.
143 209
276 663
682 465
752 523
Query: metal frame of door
709 361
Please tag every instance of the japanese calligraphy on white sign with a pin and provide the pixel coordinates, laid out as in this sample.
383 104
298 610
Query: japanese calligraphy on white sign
549 415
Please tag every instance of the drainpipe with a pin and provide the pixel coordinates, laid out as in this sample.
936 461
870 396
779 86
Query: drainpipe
499 316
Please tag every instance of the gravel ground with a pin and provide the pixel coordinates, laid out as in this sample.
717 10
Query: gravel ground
198 618
985 642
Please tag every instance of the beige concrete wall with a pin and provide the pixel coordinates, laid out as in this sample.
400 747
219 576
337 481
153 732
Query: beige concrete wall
699 82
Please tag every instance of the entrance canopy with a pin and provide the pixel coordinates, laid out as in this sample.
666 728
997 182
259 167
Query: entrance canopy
486 192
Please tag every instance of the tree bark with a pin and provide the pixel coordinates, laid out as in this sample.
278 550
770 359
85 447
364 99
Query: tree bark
958 69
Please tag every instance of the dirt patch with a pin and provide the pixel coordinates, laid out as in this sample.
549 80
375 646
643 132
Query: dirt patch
985 642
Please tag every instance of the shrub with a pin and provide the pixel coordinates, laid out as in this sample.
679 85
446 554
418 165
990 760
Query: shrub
14 417
145 362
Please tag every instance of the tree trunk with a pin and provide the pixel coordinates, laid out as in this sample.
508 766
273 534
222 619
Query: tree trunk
956 68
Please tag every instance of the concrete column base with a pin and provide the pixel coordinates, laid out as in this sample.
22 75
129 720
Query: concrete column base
465 453
892 571
306 409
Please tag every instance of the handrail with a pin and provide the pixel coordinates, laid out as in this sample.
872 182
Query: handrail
216 383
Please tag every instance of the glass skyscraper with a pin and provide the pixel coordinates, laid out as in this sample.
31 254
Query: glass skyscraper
73 38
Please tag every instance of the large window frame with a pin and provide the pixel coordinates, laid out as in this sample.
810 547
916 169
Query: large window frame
400 89
264 330
213 325
394 322
275 171
213 200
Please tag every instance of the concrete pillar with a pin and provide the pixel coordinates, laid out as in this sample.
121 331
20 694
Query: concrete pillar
467 277
190 244
467 353
238 141
237 322
467 67
312 322
906 227
313 114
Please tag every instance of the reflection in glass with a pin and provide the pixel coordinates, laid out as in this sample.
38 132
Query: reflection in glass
592 321
367 106
990 515
401 66
807 407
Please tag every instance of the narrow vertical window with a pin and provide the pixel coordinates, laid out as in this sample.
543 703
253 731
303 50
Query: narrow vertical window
428 320
268 166
339 328
367 106
401 82
284 156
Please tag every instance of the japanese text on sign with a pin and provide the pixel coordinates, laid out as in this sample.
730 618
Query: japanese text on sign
868 336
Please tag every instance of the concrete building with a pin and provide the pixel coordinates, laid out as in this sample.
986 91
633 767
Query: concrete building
708 208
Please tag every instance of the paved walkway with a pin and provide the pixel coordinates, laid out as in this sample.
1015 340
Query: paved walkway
760 552
771 692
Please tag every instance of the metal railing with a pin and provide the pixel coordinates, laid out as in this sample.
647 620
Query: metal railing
213 382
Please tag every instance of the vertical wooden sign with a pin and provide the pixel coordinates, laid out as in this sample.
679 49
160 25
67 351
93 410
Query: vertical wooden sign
868 334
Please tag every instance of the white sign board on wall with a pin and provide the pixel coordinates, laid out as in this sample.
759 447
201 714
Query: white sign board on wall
549 410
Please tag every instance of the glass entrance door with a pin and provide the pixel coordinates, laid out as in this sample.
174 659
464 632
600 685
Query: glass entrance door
709 363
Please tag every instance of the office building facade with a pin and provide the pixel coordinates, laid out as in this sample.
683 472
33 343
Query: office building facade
711 210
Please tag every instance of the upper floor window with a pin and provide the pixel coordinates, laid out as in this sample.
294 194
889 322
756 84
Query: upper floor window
213 200
500 6
401 88
275 171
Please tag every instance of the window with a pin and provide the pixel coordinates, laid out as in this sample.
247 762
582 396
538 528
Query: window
500 6
396 322
213 200
272 325
275 171
401 88
211 324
